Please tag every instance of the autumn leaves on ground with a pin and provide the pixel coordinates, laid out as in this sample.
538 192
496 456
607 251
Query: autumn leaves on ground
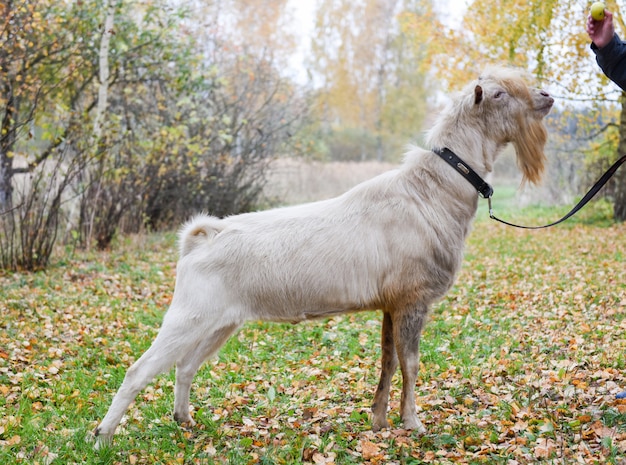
520 364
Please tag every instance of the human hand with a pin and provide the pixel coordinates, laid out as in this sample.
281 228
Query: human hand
601 32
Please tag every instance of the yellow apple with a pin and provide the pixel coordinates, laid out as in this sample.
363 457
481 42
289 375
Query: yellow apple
597 11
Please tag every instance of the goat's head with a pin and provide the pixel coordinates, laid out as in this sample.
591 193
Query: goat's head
512 111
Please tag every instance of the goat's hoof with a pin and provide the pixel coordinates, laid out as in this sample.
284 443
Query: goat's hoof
414 425
378 424
102 440
184 420
187 425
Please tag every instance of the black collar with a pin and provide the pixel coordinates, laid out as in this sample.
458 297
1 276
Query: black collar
483 188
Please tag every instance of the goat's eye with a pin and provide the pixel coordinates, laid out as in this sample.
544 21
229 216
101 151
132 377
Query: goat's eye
499 94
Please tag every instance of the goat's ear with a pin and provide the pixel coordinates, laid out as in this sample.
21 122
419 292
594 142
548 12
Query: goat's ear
478 94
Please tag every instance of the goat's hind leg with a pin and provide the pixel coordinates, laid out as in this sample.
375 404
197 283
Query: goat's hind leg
187 367
389 364
171 341
407 329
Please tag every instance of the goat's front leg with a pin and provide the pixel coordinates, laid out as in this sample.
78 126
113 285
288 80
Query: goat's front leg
389 363
407 329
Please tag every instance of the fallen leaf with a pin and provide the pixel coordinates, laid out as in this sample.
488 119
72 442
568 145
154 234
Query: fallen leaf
369 450
544 448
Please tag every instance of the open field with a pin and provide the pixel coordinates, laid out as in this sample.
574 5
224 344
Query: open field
520 362
296 181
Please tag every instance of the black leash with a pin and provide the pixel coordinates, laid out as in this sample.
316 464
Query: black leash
486 191
588 196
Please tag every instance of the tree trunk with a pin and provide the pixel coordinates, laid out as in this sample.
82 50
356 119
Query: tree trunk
6 185
7 130
103 89
7 141
96 172
619 207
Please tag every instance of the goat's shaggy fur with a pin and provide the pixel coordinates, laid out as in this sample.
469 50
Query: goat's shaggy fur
393 243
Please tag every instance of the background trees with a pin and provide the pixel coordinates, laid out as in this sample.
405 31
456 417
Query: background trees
117 116
188 124
371 88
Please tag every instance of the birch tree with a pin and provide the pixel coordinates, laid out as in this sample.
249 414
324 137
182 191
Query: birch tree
99 117
103 60
193 120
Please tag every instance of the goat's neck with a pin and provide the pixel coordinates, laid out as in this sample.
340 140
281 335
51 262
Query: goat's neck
468 141
480 156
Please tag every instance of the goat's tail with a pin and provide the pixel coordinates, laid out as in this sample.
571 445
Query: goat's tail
198 231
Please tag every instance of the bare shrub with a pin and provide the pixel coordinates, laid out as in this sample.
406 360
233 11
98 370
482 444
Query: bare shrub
29 230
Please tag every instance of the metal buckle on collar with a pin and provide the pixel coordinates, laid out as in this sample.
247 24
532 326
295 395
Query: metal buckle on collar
486 191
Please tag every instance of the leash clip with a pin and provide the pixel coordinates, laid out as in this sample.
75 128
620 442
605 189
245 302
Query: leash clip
490 208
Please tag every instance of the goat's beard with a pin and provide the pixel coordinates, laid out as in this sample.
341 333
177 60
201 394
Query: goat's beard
529 147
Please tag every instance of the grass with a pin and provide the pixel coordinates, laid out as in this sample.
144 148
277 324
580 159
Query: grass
520 362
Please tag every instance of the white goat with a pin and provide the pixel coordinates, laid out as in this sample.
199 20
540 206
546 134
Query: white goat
393 243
